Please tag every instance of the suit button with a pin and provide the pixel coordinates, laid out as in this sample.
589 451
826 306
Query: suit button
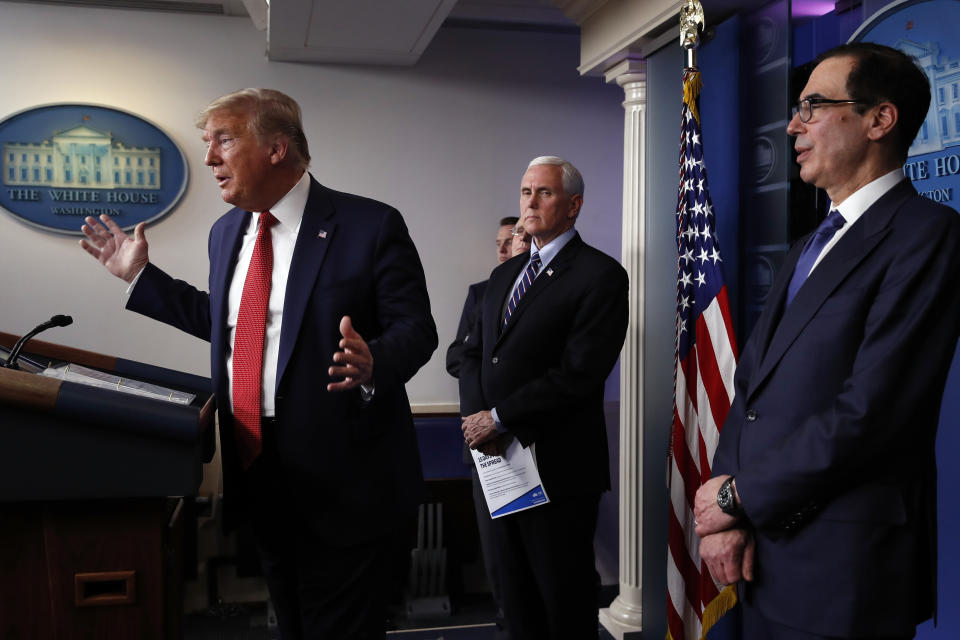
751 415
494 359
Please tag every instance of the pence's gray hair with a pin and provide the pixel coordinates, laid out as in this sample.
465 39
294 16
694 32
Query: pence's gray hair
572 180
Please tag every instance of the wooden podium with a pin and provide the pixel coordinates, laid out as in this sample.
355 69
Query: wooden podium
90 480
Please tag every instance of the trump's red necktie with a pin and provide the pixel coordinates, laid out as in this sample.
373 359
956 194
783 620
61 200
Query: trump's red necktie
248 345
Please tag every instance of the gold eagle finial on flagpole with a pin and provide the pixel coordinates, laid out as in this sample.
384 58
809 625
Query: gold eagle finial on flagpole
691 24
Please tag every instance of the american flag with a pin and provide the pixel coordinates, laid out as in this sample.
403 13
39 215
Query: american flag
705 360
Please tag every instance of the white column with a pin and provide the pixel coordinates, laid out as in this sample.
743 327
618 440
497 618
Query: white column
624 617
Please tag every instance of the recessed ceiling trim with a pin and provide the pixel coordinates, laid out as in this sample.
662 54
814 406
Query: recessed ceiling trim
141 5
595 59
338 55
511 25
391 33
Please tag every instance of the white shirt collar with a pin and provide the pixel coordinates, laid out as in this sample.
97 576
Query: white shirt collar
553 247
289 209
863 198
856 204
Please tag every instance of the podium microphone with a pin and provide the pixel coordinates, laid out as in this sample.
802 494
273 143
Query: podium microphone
55 321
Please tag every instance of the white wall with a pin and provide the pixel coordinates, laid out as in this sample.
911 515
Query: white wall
446 142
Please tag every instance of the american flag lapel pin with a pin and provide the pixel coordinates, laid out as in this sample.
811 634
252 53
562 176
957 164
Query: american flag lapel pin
322 234
549 271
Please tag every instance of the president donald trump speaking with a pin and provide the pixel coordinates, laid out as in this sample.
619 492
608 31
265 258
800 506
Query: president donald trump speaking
824 498
317 315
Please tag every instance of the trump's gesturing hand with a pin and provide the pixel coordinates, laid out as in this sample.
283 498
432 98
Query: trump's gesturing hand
354 362
122 255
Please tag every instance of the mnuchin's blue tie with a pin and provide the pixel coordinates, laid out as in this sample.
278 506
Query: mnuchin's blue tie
824 233
528 277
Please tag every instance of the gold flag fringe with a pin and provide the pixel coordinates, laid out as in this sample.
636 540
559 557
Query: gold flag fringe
724 602
691 91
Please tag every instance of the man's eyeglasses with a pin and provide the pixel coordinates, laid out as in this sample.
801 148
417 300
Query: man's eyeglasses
806 106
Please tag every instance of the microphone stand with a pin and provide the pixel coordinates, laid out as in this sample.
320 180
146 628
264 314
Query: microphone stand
55 321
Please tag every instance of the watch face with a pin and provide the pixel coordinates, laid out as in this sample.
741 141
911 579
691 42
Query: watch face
725 498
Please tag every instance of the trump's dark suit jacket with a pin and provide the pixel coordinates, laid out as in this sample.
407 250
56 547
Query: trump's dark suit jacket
353 466
832 429
545 372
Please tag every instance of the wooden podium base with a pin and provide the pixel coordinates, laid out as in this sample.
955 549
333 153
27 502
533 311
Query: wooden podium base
91 569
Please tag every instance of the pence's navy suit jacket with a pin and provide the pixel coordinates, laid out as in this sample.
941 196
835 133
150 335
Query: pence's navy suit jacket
545 372
832 430
354 467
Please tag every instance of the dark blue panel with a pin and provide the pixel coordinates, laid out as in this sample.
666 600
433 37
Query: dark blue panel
49 456
719 61
441 448
160 375
729 626
948 515
804 47
126 412
813 37
765 77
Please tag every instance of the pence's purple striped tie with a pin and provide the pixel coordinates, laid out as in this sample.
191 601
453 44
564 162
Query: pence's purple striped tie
525 282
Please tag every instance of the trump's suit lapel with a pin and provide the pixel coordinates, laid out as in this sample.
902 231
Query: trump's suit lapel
223 262
865 235
317 230
545 279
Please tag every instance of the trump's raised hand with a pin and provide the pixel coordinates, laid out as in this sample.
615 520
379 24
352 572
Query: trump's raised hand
122 255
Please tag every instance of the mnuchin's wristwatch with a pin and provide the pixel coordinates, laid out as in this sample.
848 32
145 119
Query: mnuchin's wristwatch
727 501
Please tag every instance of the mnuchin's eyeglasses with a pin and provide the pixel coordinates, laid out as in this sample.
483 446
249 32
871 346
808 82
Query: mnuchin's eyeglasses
806 106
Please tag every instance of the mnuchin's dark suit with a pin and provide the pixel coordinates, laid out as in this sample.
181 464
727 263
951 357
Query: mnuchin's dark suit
831 433
350 469
544 373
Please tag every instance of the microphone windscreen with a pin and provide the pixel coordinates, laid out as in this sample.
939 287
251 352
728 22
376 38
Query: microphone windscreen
61 320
